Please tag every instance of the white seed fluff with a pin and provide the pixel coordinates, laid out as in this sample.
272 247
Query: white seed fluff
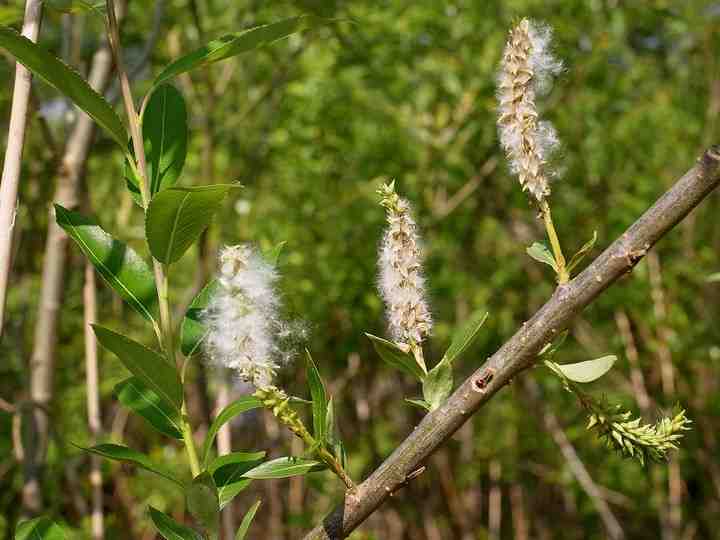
526 70
401 282
243 319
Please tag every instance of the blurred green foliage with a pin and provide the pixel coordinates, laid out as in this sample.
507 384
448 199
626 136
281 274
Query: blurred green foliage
311 126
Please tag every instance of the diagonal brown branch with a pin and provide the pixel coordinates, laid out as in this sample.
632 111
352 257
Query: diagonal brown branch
520 352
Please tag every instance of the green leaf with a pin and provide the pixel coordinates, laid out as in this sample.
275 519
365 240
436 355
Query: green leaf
203 503
396 357
246 521
330 434
284 467
177 216
119 452
142 400
119 265
273 255
165 132
171 529
76 6
551 348
466 335
438 383
192 330
10 15
319 399
580 255
63 78
236 43
41 528
587 371
712 278
541 253
420 403
144 363
239 406
228 471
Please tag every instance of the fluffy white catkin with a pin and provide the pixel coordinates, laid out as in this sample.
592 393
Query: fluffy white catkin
401 282
243 318
526 70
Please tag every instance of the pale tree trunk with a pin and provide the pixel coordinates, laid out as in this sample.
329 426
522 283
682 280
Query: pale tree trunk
521 525
93 400
13 152
42 363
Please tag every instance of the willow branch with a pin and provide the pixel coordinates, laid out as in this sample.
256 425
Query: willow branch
520 352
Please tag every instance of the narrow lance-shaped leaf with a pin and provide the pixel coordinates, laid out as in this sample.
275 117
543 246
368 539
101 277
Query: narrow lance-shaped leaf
119 265
119 452
284 467
438 383
151 368
239 406
466 336
143 401
63 78
580 255
584 372
41 528
165 132
177 216
319 399
396 357
228 471
419 403
192 330
203 502
246 521
234 44
541 253
171 529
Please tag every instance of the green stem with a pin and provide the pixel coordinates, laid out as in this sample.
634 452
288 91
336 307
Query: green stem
562 273
190 443
167 340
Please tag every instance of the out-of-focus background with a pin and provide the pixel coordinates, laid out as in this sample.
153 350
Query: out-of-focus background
310 127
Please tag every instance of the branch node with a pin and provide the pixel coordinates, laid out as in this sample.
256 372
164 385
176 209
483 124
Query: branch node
481 382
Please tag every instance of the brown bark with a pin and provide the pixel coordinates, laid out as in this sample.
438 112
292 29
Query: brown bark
520 352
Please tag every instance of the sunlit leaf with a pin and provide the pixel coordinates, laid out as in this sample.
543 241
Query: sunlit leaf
587 371
319 399
177 216
234 44
466 335
239 406
438 383
119 452
63 78
246 521
145 402
541 253
171 529
151 368
284 467
396 357
123 269
41 528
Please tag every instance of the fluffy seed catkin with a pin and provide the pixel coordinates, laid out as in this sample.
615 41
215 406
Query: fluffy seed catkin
526 70
401 282
243 318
